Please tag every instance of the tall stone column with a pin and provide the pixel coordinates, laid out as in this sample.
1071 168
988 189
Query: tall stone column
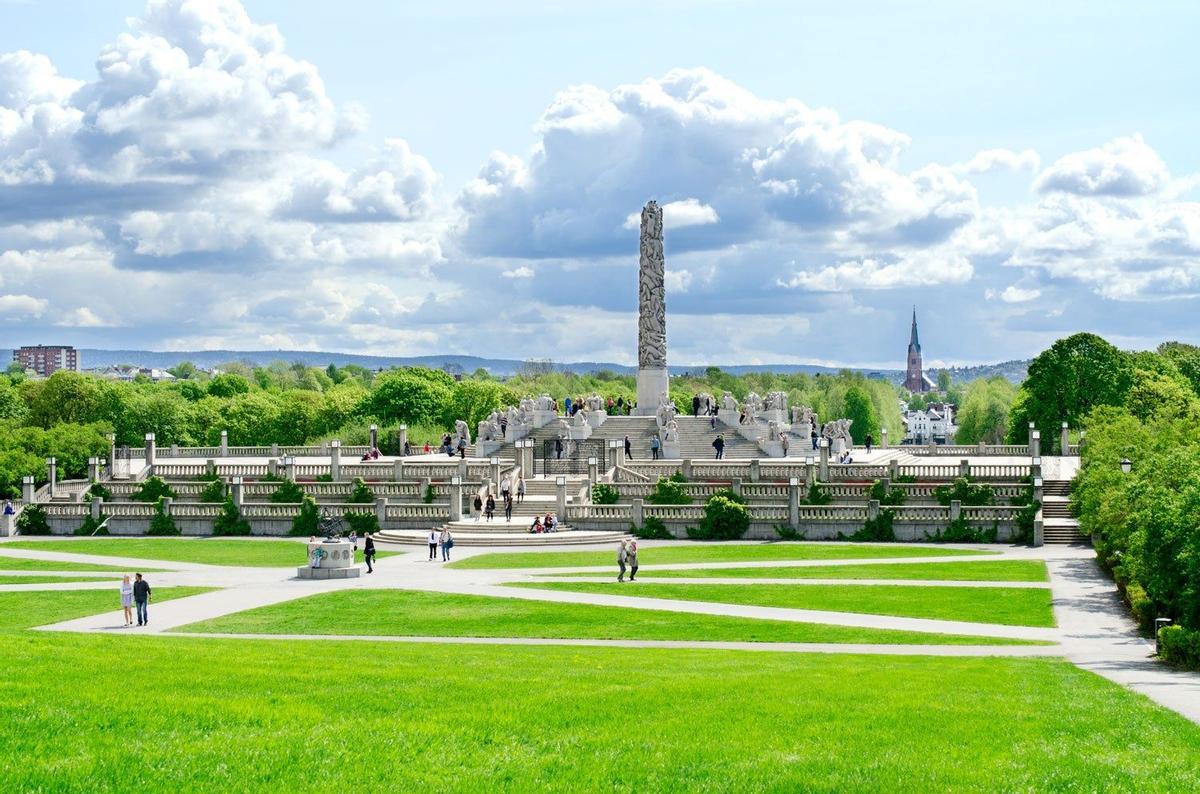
1064 441
652 313
52 475
335 460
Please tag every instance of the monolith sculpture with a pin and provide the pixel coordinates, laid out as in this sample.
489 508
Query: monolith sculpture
652 313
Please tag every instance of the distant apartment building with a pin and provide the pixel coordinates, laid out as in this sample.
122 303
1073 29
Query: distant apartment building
932 425
45 360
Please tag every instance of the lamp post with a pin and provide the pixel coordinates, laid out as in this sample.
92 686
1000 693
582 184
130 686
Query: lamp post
1126 465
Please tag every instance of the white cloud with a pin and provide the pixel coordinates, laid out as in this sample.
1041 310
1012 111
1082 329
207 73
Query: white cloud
999 159
518 272
1014 294
679 214
1123 167
83 317
915 270
677 280
18 307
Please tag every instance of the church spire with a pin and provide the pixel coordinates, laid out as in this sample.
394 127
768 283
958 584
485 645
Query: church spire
912 339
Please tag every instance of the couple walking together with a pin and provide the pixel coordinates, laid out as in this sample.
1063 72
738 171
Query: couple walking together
627 556
135 593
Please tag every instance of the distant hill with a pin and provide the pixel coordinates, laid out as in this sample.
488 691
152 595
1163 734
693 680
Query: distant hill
501 367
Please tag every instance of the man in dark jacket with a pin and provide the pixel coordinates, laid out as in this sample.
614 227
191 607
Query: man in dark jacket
719 446
141 598
369 552
695 405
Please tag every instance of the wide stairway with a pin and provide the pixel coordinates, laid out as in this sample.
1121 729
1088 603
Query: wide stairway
696 437
541 497
1060 527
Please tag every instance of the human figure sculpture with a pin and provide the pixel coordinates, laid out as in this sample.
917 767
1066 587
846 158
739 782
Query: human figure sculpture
594 403
545 402
751 406
461 430
728 403
666 410
671 431
775 401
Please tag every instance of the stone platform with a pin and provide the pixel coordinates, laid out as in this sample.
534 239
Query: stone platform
307 572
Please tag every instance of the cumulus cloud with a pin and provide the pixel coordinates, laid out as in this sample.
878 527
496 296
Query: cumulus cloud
18 307
915 270
1121 168
1014 294
990 160
677 280
679 214
518 272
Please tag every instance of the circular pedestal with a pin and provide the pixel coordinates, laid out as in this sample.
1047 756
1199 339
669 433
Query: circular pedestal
329 560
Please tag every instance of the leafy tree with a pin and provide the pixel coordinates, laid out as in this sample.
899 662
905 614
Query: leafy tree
984 410
943 381
33 521
605 494
308 520
668 492
968 493
1186 359
888 497
724 519
184 370
411 395
360 494
287 493
1065 382
228 384
473 400
162 523
362 523
858 407
213 492
229 521
152 490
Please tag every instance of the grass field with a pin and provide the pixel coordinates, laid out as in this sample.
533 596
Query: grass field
22 610
412 613
999 571
21 564
50 579
247 552
1009 606
88 713
732 552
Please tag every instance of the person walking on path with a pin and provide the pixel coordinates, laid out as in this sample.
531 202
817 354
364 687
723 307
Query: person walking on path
433 544
521 490
489 509
631 557
508 507
695 405
628 449
785 442
369 552
141 597
477 506
127 599
719 445
447 542
622 557
505 487
869 441
354 539
654 447
814 439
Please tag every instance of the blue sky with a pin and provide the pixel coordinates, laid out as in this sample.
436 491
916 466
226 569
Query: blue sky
401 178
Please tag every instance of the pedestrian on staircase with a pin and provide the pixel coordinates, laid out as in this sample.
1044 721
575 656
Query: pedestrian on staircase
814 438
521 490
654 447
628 449
785 442
369 552
462 448
505 487
719 445
712 420
695 405
478 505
489 509
508 507
622 556
558 448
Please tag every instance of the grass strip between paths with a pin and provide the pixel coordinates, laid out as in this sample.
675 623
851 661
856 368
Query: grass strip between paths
427 614
998 571
732 552
8 563
1009 606
242 552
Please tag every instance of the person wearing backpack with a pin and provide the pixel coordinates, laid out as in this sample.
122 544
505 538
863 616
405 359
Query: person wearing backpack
447 541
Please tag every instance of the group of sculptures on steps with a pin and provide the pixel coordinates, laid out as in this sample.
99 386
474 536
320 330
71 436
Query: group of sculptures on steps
516 421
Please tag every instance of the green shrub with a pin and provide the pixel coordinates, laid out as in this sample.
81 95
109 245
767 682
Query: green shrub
229 521
653 529
817 496
963 490
33 521
213 492
905 478
668 492
308 521
93 526
1180 646
678 477
97 490
162 523
152 490
876 530
785 532
269 477
730 495
362 523
287 493
886 496
324 478
1141 605
724 519
429 495
1027 515
961 531
360 494
605 494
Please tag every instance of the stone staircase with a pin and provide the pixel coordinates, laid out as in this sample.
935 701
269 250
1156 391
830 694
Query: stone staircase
1060 527
696 437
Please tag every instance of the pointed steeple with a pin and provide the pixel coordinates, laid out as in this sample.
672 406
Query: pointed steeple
913 341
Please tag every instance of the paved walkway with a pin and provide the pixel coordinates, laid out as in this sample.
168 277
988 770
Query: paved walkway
1093 630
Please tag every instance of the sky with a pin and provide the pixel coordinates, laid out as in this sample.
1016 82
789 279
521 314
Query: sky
401 178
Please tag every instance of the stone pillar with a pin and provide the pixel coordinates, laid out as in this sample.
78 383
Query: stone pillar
872 509
166 503
151 449
810 473
235 489
736 487
335 460
462 468
374 431
94 469
652 380
1039 532
402 437
324 448
955 509
52 475
1064 439
97 507
8 526
456 499
174 450
593 471
27 490
289 468
398 470
275 450
112 453
823 449
1038 490
893 469
560 495
381 510
794 503
1035 444
754 470
224 443
273 468
883 437
964 468
685 467
1035 468
637 512
425 486
494 469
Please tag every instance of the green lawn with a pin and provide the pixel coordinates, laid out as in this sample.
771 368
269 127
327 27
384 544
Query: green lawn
732 552
21 564
92 713
412 613
999 571
249 552
23 610
1010 606
49 579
